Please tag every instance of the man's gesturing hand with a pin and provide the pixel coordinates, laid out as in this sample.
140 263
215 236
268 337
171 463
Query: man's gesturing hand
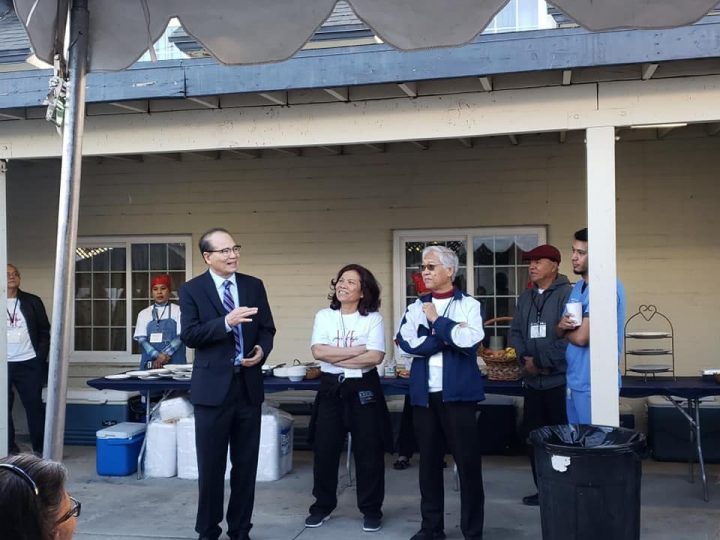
240 315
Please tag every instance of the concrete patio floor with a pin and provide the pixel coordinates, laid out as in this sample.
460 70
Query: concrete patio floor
130 509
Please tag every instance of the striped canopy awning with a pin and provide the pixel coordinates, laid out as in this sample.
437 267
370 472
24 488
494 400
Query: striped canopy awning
252 32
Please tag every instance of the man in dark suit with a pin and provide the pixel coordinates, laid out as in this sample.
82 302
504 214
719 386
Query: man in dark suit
226 318
28 343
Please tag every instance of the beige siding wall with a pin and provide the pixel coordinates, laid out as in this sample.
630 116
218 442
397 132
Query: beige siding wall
300 219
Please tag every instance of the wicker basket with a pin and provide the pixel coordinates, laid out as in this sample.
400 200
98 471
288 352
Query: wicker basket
501 366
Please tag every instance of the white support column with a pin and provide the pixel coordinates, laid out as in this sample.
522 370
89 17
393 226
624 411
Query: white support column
603 275
3 305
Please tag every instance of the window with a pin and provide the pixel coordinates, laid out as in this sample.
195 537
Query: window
105 270
520 15
491 266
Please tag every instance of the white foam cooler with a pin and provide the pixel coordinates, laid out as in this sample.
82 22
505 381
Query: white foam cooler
161 450
276 445
187 452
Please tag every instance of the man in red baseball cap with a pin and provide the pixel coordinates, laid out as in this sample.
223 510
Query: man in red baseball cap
158 328
540 351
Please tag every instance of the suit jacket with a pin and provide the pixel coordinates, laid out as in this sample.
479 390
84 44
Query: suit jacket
203 329
37 322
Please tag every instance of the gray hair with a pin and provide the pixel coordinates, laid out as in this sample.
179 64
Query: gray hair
447 257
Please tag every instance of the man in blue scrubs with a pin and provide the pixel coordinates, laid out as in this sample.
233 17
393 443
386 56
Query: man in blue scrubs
577 332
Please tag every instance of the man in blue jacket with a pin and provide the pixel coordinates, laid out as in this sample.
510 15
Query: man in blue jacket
442 331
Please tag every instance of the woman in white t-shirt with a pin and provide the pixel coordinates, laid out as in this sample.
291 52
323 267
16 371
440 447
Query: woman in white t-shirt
349 340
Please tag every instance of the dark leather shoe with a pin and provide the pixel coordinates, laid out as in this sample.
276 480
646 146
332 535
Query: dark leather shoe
425 534
531 500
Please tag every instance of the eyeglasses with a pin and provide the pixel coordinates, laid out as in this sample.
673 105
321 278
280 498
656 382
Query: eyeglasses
74 511
22 474
13 274
429 267
226 252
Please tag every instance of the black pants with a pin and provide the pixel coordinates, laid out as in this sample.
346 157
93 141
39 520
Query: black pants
339 410
235 422
455 422
542 408
27 378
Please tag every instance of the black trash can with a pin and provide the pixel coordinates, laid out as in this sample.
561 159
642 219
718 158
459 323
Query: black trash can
589 481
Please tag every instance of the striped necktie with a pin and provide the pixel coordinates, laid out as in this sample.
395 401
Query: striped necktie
229 305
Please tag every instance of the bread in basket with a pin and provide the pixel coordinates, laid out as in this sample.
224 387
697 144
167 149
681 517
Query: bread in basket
502 365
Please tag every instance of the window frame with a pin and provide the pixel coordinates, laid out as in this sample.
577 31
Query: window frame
402 236
125 241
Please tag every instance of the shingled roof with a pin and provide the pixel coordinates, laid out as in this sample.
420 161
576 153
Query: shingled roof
14 43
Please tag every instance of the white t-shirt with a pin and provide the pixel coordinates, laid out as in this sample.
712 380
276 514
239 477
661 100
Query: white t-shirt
435 363
19 346
146 315
333 328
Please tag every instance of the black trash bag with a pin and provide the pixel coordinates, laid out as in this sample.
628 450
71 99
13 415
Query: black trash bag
577 439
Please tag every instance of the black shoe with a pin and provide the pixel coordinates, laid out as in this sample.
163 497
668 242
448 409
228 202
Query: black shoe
531 500
316 520
425 534
372 524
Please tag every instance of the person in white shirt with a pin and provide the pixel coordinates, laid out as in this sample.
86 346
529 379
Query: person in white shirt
28 344
158 328
349 340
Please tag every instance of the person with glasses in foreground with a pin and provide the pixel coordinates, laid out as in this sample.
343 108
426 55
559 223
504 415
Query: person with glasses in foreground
442 331
34 504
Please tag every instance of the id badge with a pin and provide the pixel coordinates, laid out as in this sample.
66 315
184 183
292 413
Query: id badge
537 330
156 337
353 373
366 397
14 335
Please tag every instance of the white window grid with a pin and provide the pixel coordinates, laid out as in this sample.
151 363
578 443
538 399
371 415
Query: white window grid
126 242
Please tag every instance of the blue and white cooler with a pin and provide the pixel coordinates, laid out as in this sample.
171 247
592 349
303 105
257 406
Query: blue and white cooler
118 448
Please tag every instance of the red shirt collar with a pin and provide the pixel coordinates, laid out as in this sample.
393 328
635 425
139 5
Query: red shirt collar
441 296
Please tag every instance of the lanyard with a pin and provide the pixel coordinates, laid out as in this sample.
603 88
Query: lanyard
539 308
158 317
13 316
346 339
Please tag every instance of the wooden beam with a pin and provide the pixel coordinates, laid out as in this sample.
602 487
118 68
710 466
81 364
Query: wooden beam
712 129
648 70
566 77
252 154
341 94
278 98
141 106
378 147
420 144
118 157
211 102
486 83
601 216
563 136
170 156
467 143
472 115
297 152
14 114
212 155
410 88
663 132
513 139
334 150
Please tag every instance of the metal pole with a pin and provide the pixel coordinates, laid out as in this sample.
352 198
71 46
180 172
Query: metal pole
60 338
4 390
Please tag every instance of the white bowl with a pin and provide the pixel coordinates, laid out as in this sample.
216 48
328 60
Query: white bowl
296 373
281 371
